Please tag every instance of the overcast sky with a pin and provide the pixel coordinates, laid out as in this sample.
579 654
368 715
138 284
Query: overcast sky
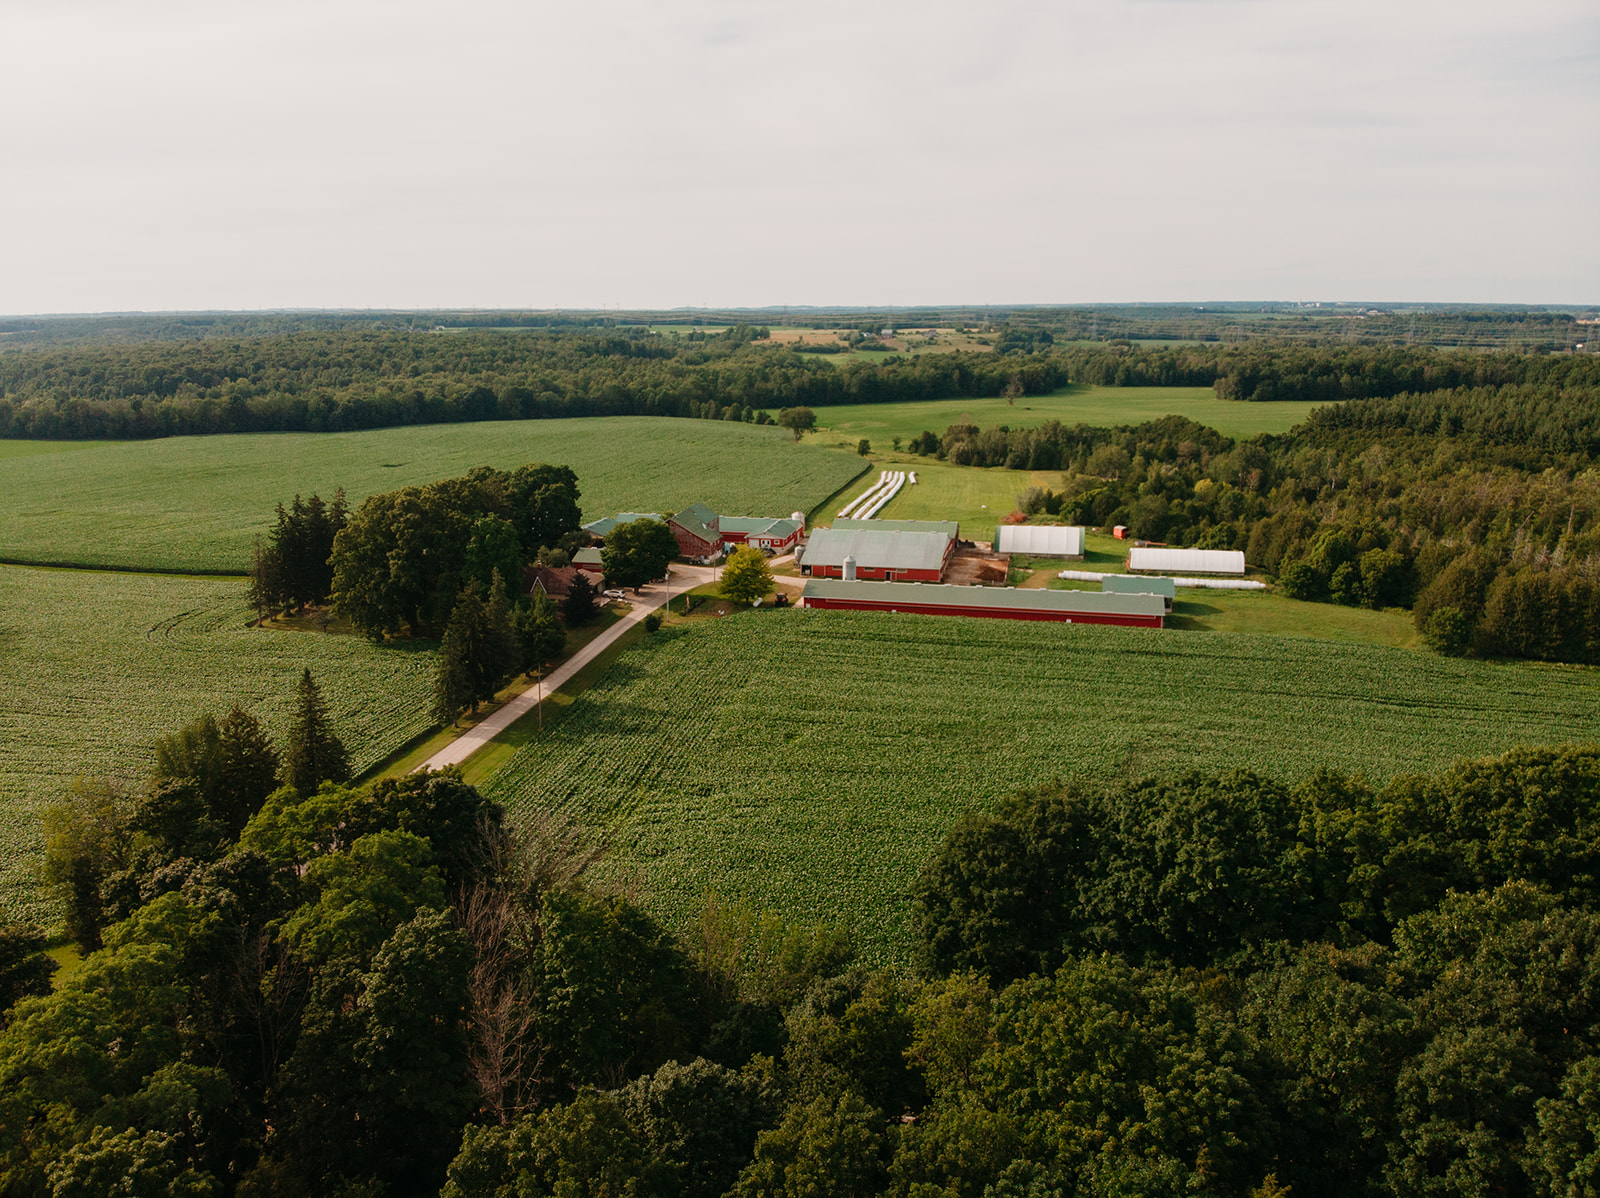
165 155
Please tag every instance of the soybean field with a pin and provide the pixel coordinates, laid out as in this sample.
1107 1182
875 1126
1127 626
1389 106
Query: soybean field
812 760
194 504
98 665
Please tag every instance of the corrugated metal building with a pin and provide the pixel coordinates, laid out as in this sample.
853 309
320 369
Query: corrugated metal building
1186 561
878 554
1041 540
1127 584
948 527
1000 603
588 560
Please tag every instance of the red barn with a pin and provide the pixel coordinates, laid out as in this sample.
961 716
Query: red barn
1001 603
697 531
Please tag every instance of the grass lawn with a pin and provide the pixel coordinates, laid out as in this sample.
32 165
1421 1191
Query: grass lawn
1074 404
978 499
812 760
195 503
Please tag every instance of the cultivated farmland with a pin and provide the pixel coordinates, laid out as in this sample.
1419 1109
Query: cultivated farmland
1103 407
98 665
195 503
812 760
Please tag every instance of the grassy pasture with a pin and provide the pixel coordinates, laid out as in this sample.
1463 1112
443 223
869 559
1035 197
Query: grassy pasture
1102 407
195 503
812 760
97 665
28 449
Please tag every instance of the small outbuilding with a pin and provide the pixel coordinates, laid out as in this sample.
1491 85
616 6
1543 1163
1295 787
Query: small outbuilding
602 527
1000 603
1039 540
588 560
1148 559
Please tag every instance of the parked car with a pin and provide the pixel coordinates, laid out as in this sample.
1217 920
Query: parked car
614 593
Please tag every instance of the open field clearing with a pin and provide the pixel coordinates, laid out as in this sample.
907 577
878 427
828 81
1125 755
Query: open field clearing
812 760
98 665
1075 404
195 503
978 498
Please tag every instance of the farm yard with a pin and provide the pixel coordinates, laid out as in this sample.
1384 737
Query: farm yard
97 665
811 761
193 504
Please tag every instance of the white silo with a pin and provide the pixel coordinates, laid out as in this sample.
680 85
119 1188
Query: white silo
849 568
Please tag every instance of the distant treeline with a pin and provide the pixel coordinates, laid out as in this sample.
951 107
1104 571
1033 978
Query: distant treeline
1539 329
337 381
326 380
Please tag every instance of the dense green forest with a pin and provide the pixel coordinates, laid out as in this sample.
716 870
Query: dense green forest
1206 985
332 377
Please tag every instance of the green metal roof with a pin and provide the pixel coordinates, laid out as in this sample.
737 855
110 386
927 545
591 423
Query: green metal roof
764 526
947 527
876 549
1128 584
605 524
1016 598
700 520
588 556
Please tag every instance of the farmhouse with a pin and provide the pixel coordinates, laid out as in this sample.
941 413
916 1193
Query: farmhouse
874 553
1039 540
1000 603
1127 584
696 527
549 580
775 536
1186 561
588 560
602 527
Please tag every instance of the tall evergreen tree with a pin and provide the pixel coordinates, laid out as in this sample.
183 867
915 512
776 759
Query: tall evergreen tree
452 684
580 606
314 755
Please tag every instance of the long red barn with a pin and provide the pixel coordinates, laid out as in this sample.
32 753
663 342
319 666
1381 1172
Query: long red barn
998 603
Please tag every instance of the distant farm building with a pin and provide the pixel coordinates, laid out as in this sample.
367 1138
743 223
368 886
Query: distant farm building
877 553
696 528
588 560
999 603
775 536
1039 540
601 528
1127 584
1186 561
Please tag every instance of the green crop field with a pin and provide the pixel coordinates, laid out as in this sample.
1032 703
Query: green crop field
195 503
812 760
97 665
1075 404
